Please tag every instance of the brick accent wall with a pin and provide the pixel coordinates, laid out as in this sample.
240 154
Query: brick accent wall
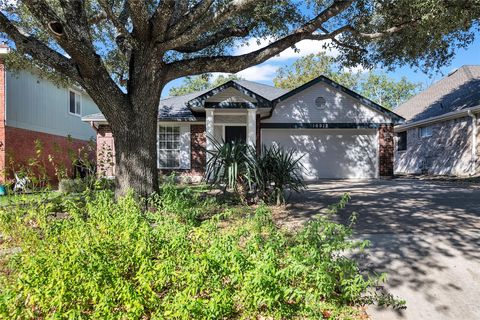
386 151
20 147
105 151
198 141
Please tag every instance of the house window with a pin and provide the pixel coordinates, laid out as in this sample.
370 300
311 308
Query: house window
169 147
402 141
425 132
75 103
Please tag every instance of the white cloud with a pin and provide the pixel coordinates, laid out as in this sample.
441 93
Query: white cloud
303 48
263 72
358 68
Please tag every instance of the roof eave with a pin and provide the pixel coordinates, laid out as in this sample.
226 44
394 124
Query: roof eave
195 102
443 117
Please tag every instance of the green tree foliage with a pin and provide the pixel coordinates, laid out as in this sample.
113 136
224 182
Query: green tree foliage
376 86
201 82
124 52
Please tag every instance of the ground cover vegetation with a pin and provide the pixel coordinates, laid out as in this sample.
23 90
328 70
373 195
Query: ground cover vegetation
188 256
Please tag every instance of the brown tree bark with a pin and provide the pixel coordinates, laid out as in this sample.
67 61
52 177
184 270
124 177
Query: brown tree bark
136 155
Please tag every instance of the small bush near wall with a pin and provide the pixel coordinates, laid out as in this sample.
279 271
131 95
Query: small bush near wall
266 176
107 259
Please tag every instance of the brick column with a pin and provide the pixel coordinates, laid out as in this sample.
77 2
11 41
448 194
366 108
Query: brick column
105 151
198 143
386 150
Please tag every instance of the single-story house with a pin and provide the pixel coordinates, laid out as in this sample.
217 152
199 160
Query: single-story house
339 133
440 135
33 108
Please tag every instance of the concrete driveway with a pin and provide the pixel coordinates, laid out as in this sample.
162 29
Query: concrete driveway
425 235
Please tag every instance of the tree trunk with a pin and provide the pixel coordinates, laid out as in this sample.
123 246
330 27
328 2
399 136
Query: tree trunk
136 154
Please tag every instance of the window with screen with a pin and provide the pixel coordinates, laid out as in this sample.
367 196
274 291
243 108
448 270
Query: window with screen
169 146
75 106
425 132
402 141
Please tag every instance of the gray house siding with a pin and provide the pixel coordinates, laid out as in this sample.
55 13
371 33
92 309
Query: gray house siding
448 151
37 104
339 108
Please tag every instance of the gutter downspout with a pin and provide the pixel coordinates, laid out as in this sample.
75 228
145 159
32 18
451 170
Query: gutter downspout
473 169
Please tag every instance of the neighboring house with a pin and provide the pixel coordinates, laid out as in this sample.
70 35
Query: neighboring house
339 133
441 135
32 108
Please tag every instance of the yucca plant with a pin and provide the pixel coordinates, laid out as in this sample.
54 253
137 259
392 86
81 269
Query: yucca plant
268 175
227 165
275 171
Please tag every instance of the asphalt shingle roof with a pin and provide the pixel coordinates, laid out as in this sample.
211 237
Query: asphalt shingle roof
459 90
175 108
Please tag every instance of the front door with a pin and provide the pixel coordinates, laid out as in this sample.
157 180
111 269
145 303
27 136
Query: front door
236 134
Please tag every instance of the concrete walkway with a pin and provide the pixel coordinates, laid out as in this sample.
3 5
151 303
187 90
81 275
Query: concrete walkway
425 235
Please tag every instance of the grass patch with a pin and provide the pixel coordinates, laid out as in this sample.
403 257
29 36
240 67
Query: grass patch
189 257
15 199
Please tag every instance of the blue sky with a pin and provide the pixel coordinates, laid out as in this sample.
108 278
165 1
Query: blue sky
265 72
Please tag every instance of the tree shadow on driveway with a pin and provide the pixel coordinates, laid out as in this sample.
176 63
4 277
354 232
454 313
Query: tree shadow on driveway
425 235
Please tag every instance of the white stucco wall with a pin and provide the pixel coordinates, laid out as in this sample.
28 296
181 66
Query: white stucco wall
37 104
339 108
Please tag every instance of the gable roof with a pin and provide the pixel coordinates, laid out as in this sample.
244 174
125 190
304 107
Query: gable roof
390 114
457 91
179 108
264 94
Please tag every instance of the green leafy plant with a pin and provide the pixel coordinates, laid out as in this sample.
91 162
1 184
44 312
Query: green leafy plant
267 175
273 171
109 259
228 165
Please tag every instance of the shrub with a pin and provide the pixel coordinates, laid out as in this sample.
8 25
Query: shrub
274 172
267 175
111 260
228 165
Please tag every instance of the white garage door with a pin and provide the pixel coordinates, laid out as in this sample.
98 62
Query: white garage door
330 153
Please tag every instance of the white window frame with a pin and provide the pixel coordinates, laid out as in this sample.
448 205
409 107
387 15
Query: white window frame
425 132
79 95
179 149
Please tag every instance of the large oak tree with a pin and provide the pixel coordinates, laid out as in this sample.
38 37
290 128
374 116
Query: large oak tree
123 52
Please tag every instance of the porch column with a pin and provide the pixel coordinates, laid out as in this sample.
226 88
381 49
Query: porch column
209 130
252 127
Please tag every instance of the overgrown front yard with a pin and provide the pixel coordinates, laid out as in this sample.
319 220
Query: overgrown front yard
188 256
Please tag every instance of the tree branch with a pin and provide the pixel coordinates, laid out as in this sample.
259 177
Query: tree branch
386 32
39 51
195 14
213 39
123 38
75 39
233 64
162 17
140 17
215 20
